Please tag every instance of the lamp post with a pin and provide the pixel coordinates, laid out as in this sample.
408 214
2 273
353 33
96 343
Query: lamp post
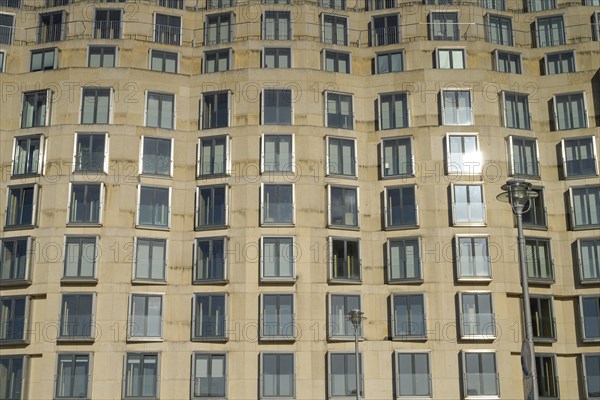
356 316
518 193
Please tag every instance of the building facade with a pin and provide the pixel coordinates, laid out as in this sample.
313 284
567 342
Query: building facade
195 194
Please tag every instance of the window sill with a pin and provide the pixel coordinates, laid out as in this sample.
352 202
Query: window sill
417 281
212 176
401 227
290 280
585 227
582 176
15 282
591 340
18 227
210 282
469 224
340 176
148 282
13 342
73 339
342 281
155 176
344 339
474 338
78 280
144 339
222 339
84 225
544 340
85 173
586 282
535 227
153 227
26 175
466 279
540 282
409 338
263 338
210 227
398 176
277 224
345 227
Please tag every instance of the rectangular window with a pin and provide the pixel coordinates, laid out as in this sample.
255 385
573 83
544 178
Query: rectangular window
157 156
344 255
277 204
535 217
213 156
277 375
542 315
463 155
28 158
141 375
150 260
473 258
389 62
336 4
590 317
456 107
52 27
154 206
588 251
277 57
585 207
215 110
508 62
335 30
7 27
404 260
342 375
73 376
385 30
538 259
211 207
570 111
85 203
341 156
408 316
277 153
160 110
277 107
477 316
393 110
21 209
77 317
102 56
397 157
13 376
516 110
44 59
559 63
480 374
91 152
595 22
523 157
380 4
540 5
171 3
277 25
81 256
336 61
218 29
277 258
167 29
2 58
468 205
217 60
401 209
164 61
550 31
343 206
210 316
545 365
339 110
591 374
107 24
579 157
444 26
36 109
95 105
209 375
450 58
277 316
210 260
413 374
15 260
14 314
499 30
493 4
145 316
339 306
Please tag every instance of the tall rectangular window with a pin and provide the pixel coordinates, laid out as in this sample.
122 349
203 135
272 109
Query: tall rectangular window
480 374
277 316
477 315
160 110
167 29
81 256
21 207
277 204
545 366
51 27
277 25
456 107
211 207
591 373
44 59
499 30
523 157
217 60
336 61
171 3
13 370
336 4
157 156
277 57
413 374
463 155
85 203
516 110
218 29
150 260
164 61
28 155
550 31
339 306
107 24
91 152
141 375
36 109
535 217
15 260
444 26
590 317
145 316
473 259
585 207
385 29
210 316
341 156
450 58
73 375
210 260
7 26
342 375
335 30
102 56
404 260
570 111
401 209
339 110
215 110
579 156
507 62
408 316
540 5
277 375
468 205
389 62
154 206
345 261
559 63
277 258
14 312
95 105
209 375
393 110
214 159
493 4
588 251
397 157
538 260
277 153
343 206
277 107
77 316
542 315
2 58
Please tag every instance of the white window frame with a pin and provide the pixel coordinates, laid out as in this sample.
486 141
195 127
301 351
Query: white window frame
460 276
330 223
34 216
457 109
353 163
350 335
352 113
574 225
24 339
29 256
195 372
467 167
463 372
203 114
407 336
62 337
427 353
104 169
511 53
324 53
292 167
67 255
451 58
197 205
261 372
149 281
564 156
55 63
512 170
345 40
90 363
173 116
484 207
280 278
127 384
227 155
411 162
100 203
573 52
229 60
130 318
419 259
154 15
387 208
361 374
263 57
285 336
48 108
262 105
41 161
177 62
158 227
141 164
209 281
380 113
111 100
594 262
221 338
358 261
263 204
87 55
484 330
505 119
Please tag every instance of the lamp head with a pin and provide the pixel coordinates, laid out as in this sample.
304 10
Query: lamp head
355 316
517 193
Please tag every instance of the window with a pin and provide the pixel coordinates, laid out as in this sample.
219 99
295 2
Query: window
277 153
408 318
473 258
210 260
171 3
493 4
545 366
81 255
595 25
413 374
218 29
145 316
36 109
277 258
277 25
215 110
217 60
444 26
335 30
277 107
385 29
154 206
397 158
73 375
211 207
339 306
339 110
590 317
44 59
21 209
95 105
141 375
150 260
516 110
480 374
52 27
341 156
337 4
477 316
499 30
28 158
157 156
342 374
570 111
15 260
343 206
535 217
559 63
507 62
591 374
450 58
7 27
456 107
401 209
209 375
167 29
523 157
393 110
585 207
542 314
277 57
14 313
579 157
77 317
85 205
102 56
277 204
550 31
13 376
210 316
336 61
107 24
588 251
277 316
2 59
160 110
463 155
277 375
404 260
213 156
389 62
91 152
540 5
345 261
164 61
538 259
380 4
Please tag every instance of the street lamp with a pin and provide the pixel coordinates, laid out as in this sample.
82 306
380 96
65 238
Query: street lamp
518 193
356 317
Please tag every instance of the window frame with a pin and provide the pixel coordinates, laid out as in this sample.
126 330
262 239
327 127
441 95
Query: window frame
13 269
463 358
197 280
451 50
483 206
594 262
10 213
216 23
456 109
388 55
542 378
283 333
356 212
562 35
417 257
483 331
574 225
59 377
410 334
392 34
135 261
586 378
582 317
467 166
262 374
336 60
344 336
206 120
330 394
395 121
335 21
19 386
7 322
515 98
357 261
277 55
264 205
2 61
217 54
199 336
279 278
77 163
45 33
523 141
156 155
43 51
209 226
329 163
518 62
163 56
113 33
132 334
263 161
80 240
11 35
461 275
276 15
565 161
209 355
95 106
64 319
585 111
501 24
158 37
127 384
338 98
279 119
538 208
163 98
454 36
535 302
100 207
41 158
388 219
47 109
410 164
226 165
102 56
397 370
560 61
535 260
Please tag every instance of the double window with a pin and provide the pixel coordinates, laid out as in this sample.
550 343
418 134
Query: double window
213 156
340 305
77 317
277 107
277 204
209 375
468 206
560 62
52 27
344 259
413 374
343 206
277 25
13 375
167 29
73 375
210 316
81 256
154 206
444 26
15 260
336 61
44 59
157 156
14 314
523 157
341 156
397 157
570 111
545 366
591 373
579 157
21 208
337 4
102 56
277 57
516 110
542 315
540 5
215 110
164 61
477 319
385 29
335 29
393 110
91 152
107 24
387 62
463 154
210 260
493 4
28 157
277 153
96 105
538 260
535 217
473 258
499 30
86 203
277 258
277 316
141 377
342 374
211 207
408 316
217 60
590 317
507 62
404 260
550 31
339 110
480 374
401 209
456 107
145 317
150 260
218 29
277 378
450 58
36 109
160 110
588 251
585 207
